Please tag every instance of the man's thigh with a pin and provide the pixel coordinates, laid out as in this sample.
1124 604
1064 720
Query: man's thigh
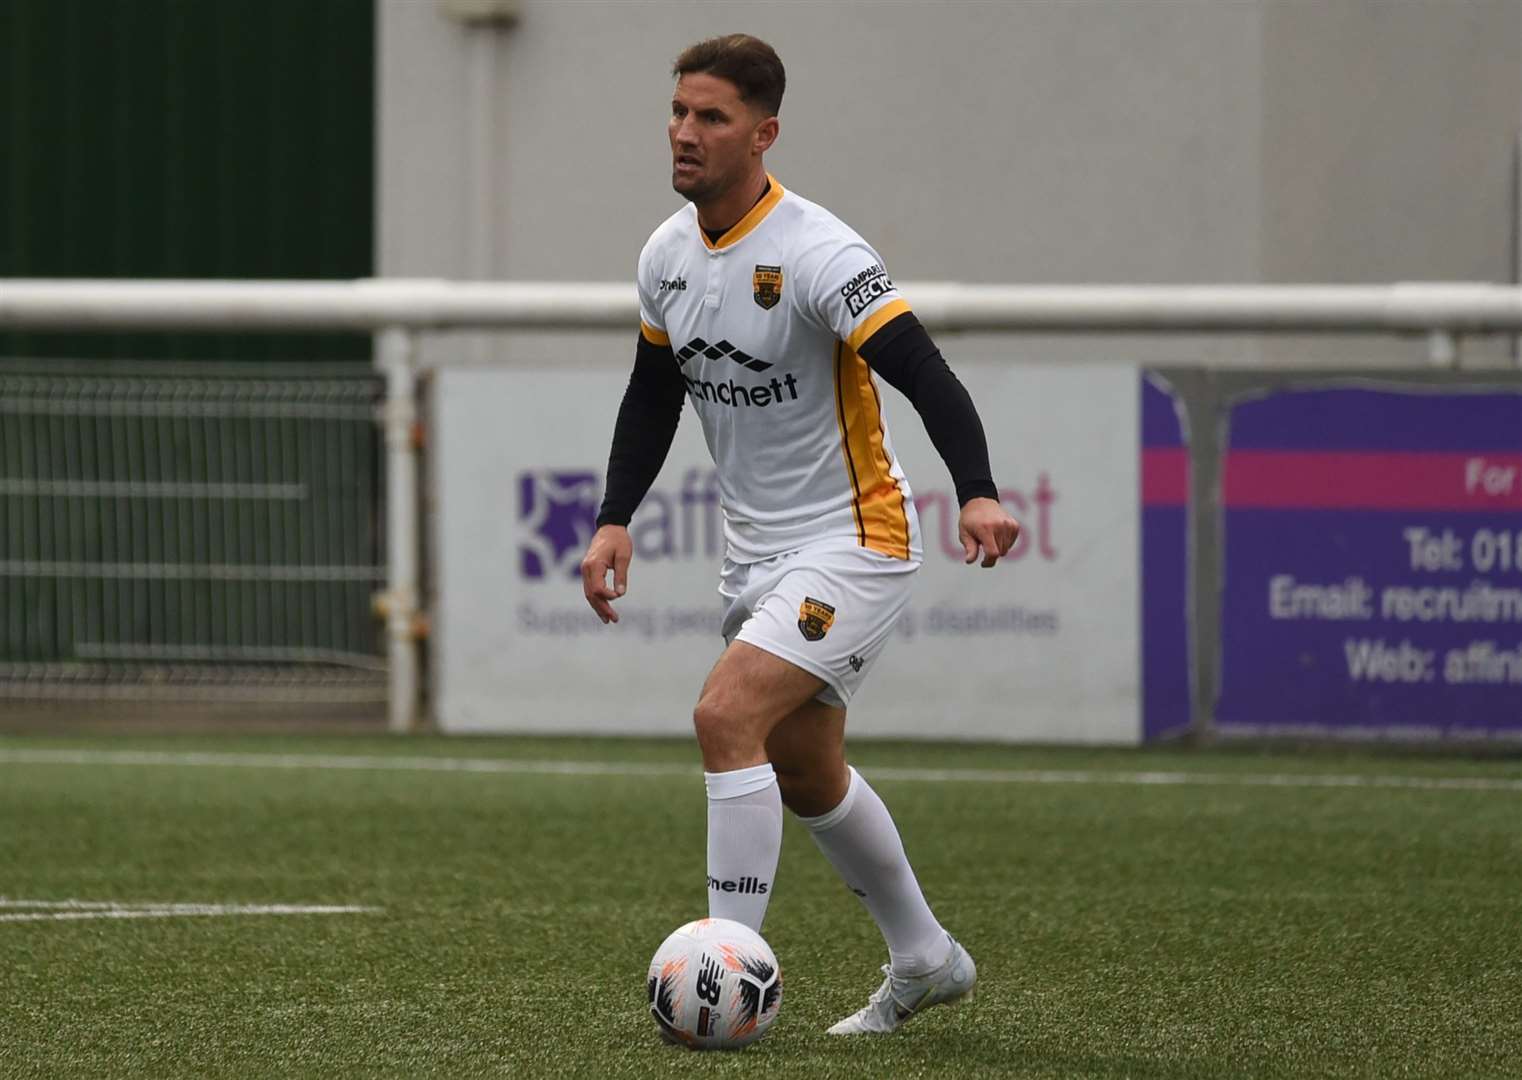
830 612
755 688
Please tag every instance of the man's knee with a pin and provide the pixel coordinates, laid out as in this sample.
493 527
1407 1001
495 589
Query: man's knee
725 727
748 693
813 791
708 720
795 786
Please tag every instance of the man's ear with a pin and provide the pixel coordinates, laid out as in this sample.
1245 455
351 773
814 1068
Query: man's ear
766 134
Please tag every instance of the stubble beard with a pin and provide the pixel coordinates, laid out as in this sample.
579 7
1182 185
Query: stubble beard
699 192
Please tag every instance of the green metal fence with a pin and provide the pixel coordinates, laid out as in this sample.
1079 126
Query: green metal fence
178 532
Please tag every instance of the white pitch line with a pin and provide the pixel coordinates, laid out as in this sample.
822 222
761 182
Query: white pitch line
84 909
1168 779
383 763
376 762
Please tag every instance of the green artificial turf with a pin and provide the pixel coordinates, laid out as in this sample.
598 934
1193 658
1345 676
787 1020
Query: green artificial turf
1228 928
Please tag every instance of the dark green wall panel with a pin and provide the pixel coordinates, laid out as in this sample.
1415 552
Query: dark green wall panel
187 139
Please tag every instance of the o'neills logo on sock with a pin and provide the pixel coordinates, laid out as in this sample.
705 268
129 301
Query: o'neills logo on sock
744 885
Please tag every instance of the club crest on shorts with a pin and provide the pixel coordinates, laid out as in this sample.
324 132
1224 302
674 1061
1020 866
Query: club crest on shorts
767 286
815 618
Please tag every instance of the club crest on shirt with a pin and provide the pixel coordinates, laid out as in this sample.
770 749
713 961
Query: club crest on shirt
767 286
815 618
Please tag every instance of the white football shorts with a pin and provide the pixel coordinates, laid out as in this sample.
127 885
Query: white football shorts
828 608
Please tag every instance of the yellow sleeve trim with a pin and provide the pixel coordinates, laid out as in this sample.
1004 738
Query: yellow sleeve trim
875 322
652 335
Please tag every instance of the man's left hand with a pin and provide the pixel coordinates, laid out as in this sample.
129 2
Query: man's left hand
985 527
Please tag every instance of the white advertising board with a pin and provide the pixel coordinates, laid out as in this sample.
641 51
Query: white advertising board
1041 648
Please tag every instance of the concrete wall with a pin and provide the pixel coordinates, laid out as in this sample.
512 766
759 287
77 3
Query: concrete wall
1124 141
1389 134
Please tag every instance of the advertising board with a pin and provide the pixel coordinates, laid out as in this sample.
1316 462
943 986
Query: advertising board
1373 565
1043 647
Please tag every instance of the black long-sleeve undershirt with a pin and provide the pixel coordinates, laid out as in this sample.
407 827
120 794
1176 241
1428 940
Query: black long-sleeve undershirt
901 352
642 435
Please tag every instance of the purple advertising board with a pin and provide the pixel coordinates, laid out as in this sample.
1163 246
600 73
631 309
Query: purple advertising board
1372 583
1164 562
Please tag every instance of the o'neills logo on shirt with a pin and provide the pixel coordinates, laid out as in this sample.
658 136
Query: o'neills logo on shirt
744 885
864 287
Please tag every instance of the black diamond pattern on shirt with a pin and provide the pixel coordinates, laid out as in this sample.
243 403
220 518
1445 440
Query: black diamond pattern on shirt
722 348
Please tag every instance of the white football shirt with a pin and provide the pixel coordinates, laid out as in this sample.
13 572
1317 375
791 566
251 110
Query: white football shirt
766 324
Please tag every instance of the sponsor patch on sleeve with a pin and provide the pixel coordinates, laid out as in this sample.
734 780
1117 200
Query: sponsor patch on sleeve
865 286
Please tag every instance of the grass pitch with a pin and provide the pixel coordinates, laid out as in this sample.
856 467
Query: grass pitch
1255 915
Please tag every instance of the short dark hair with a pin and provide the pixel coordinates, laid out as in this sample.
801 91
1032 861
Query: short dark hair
748 62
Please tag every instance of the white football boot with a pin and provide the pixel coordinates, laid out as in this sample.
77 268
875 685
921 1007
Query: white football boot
900 996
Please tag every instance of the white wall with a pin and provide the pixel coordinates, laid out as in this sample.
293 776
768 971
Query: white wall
1389 129
1031 142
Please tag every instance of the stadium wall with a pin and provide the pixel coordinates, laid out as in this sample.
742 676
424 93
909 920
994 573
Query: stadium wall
1166 141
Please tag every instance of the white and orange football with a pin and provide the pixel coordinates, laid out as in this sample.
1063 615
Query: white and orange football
714 984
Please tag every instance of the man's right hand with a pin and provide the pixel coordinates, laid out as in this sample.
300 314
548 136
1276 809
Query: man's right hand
610 549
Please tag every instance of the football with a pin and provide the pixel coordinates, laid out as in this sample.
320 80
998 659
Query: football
714 984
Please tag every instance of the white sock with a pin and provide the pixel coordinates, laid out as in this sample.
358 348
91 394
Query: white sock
744 840
862 843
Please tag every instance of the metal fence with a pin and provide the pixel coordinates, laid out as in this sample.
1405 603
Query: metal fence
211 535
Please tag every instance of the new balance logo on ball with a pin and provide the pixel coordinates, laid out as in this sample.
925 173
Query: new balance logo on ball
744 885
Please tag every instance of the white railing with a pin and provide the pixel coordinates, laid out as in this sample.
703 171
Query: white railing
376 303
396 309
